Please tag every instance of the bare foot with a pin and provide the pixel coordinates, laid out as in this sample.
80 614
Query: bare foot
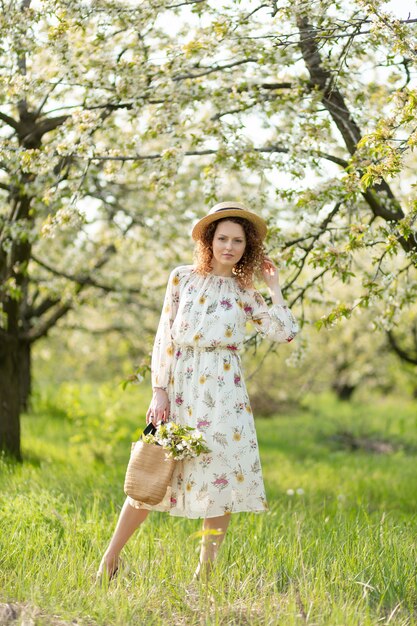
203 571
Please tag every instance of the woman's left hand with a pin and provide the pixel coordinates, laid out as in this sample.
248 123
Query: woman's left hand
270 273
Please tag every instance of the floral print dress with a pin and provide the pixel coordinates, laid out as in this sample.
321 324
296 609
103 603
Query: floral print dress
196 359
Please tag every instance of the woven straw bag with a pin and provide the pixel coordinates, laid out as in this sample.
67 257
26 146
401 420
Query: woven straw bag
149 471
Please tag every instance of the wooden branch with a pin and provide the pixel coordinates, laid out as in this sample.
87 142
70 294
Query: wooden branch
321 230
116 328
46 96
182 4
307 285
97 331
321 79
273 86
335 34
42 307
218 116
31 132
115 106
408 357
334 102
42 329
9 121
158 155
86 280
323 155
214 68
255 10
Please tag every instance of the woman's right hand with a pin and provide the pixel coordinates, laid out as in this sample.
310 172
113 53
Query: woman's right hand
159 407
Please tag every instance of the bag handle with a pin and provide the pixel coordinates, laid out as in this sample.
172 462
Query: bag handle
149 430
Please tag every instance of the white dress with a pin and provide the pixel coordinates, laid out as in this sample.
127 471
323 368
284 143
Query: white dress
196 359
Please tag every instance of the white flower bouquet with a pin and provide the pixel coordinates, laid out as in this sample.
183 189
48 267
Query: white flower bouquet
180 442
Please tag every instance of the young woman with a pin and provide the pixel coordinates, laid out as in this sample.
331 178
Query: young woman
197 377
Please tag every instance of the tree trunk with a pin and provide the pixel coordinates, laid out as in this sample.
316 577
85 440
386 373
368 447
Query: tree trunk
344 391
13 270
25 372
9 395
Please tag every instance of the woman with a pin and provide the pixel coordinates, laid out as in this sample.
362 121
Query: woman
197 377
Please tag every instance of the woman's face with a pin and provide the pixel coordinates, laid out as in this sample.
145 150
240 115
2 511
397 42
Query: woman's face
229 243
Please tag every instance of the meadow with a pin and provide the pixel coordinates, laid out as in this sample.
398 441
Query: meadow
337 547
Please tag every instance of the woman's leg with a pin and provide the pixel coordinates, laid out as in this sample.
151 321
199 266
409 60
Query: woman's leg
211 542
129 520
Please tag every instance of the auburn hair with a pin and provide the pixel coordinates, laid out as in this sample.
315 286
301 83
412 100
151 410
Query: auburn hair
251 262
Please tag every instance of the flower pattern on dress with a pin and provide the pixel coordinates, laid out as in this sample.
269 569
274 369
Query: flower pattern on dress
196 358
220 481
204 423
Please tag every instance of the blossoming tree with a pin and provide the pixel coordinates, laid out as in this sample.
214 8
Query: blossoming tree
119 122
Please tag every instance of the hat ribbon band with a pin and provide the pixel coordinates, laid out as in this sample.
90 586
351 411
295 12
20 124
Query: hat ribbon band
229 208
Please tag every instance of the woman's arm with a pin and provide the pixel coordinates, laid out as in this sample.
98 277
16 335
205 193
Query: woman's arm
163 348
163 352
277 322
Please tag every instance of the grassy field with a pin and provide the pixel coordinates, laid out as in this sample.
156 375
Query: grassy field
338 546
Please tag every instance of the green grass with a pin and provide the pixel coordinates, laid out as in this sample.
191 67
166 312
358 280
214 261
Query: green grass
339 551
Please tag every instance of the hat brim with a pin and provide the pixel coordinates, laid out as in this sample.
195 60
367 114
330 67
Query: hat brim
202 224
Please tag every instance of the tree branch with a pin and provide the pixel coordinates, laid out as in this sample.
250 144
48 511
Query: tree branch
321 78
9 121
404 356
85 280
215 68
208 152
31 132
42 329
334 102
321 230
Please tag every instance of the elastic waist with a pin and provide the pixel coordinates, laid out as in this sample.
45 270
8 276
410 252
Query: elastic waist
193 348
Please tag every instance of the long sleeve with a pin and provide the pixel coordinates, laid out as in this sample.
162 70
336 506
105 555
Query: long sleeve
163 349
276 322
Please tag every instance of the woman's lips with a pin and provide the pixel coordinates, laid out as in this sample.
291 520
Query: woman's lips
229 255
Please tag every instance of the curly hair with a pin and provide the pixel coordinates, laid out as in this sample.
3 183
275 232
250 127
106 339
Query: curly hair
251 262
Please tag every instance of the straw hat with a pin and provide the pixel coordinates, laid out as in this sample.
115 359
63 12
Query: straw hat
229 209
